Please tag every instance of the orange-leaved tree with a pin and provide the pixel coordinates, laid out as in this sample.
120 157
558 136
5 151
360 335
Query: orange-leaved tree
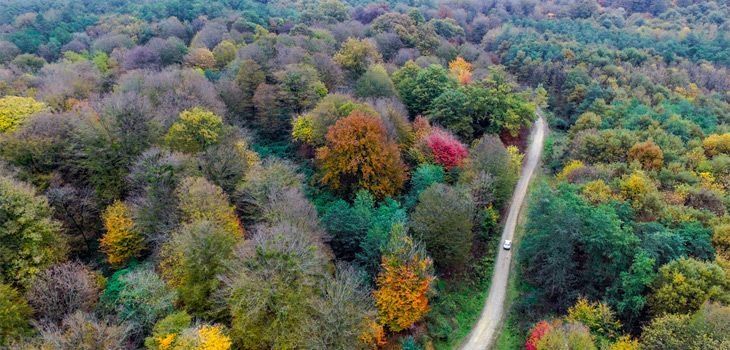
359 155
404 282
122 241
461 69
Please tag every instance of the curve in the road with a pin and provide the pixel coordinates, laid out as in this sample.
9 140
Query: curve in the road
483 333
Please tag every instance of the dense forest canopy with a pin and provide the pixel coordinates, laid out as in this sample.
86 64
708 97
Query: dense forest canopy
334 174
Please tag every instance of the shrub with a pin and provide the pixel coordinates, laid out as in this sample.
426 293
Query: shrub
716 144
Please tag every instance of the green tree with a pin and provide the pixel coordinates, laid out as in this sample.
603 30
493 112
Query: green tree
418 88
30 240
707 328
447 238
683 285
249 77
356 56
572 248
139 297
196 253
15 315
271 284
375 83
195 130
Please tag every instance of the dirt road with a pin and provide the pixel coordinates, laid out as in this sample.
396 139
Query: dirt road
483 334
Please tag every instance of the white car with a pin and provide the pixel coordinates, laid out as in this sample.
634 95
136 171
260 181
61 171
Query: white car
507 244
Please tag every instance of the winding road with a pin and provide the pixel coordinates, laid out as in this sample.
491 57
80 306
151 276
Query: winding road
483 334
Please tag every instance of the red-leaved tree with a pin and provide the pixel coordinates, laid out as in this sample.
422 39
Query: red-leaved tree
446 148
536 333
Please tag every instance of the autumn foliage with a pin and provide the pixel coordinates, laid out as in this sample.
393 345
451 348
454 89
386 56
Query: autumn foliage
358 155
648 154
403 283
462 70
121 242
536 333
446 149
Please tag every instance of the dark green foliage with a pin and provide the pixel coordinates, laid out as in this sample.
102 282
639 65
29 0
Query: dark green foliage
418 87
447 237
572 249
375 82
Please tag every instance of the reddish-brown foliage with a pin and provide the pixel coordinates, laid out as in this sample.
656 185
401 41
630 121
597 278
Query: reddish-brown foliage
358 155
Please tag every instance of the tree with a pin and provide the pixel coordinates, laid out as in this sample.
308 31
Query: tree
403 283
716 144
15 315
249 77
446 149
311 128
224 53
62 290
447 238
83 330
15 110
418 87
648 154
200 58
262 183
175 333
30 240
375 82
489 160
683 285
598 317
461 69
572 248
195 130
348 224
345 312
122 241
721 240
201 200
358 155
706 328
196 252
138 297
271 283
299 89
538 331
356 56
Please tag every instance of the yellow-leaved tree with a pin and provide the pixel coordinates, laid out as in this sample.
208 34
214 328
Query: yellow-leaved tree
14 110
461 69
122 241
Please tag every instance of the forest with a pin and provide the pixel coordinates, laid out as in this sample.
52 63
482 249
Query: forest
335 174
